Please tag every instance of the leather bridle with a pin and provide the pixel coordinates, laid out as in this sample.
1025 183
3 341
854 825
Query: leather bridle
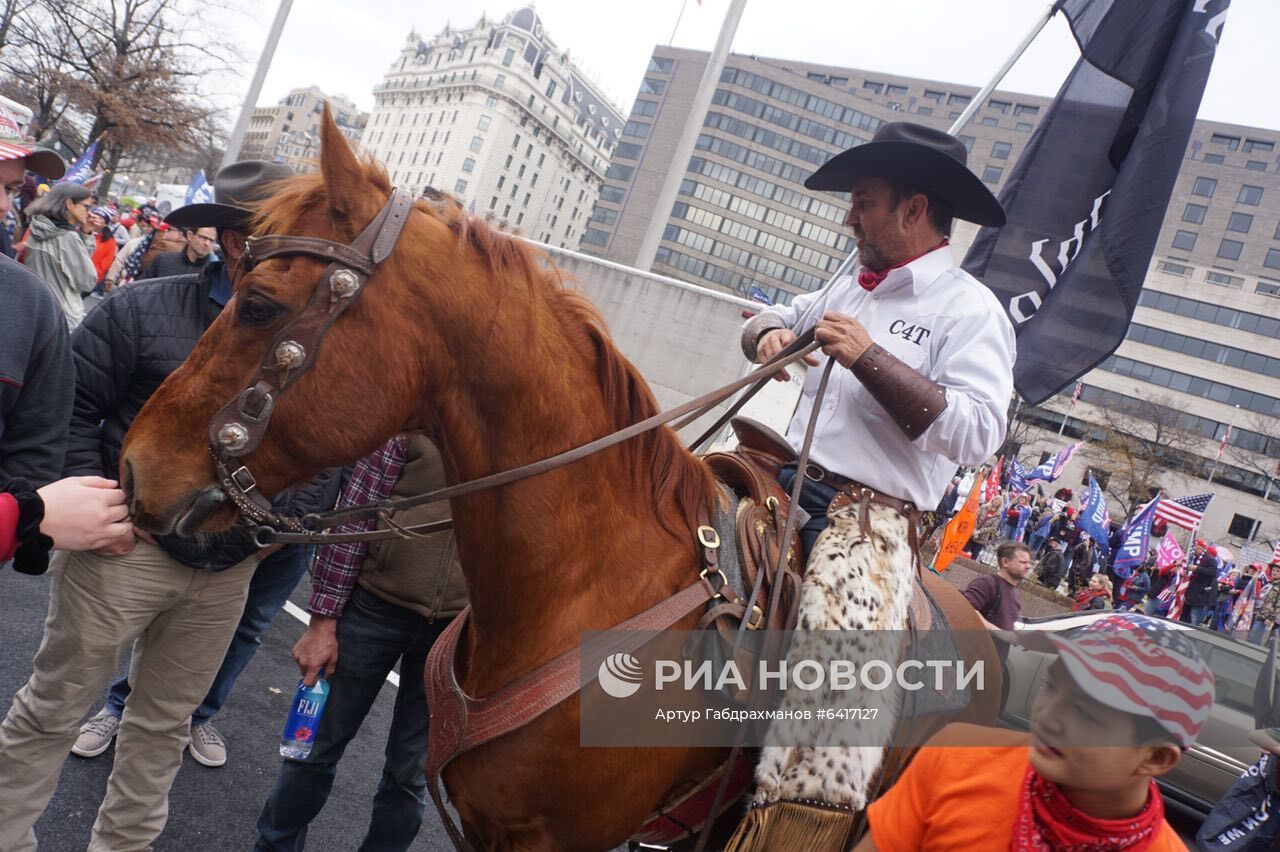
240 425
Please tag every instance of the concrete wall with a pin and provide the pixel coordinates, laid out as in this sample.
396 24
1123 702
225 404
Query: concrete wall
682 337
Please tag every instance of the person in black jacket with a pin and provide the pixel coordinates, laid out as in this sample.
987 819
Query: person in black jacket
1052 568
1202 594
177 602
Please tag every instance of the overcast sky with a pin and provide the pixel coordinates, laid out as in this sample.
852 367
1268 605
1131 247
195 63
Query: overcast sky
340 47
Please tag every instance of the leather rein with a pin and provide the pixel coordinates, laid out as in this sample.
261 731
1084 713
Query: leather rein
238 428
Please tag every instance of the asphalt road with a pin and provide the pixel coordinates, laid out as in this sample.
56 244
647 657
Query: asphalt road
211 809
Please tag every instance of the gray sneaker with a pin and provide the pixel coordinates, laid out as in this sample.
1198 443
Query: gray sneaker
96 734
207 745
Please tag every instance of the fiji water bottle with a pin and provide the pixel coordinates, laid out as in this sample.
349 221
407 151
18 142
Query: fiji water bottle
304 718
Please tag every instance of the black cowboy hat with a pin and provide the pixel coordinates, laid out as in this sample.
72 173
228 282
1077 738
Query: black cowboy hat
918 156
235 189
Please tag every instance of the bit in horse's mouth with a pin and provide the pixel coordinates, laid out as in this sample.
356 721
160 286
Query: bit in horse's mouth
198 510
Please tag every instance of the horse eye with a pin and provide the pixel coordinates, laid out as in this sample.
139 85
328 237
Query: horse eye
258 311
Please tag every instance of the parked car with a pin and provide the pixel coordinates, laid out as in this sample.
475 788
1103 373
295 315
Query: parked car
1223 750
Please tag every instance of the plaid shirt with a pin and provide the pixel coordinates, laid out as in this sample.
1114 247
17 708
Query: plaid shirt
338 566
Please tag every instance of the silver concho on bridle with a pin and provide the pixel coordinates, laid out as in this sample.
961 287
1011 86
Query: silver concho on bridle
343 284
290 354
233 436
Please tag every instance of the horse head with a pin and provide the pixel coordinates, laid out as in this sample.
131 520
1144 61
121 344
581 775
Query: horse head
367 381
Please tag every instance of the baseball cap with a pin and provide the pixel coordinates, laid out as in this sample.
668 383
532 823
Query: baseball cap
1139 665
13 147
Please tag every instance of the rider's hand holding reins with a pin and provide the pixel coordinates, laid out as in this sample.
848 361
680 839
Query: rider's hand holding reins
842 337
774 342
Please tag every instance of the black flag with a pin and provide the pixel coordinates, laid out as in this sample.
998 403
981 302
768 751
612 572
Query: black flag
1088 196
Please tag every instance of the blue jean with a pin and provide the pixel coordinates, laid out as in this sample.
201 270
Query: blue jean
1259 633
1197 614
815 498
273 581
373 635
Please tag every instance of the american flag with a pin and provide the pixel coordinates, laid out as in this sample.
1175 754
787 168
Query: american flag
1185 512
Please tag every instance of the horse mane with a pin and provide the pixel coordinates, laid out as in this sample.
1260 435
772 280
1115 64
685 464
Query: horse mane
657 455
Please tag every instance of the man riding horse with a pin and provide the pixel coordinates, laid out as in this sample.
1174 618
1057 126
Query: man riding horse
927 356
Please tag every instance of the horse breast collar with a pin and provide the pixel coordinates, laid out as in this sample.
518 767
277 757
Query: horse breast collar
238 427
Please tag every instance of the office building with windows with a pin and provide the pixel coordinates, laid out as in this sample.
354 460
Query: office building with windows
498 116
1205 327
289 131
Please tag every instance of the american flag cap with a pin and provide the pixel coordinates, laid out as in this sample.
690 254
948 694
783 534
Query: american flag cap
1139 665
13 147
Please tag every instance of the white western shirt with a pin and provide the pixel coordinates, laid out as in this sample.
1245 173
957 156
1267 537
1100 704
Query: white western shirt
944 323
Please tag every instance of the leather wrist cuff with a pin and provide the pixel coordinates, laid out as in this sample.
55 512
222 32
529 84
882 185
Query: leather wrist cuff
757 327
32 555
912 400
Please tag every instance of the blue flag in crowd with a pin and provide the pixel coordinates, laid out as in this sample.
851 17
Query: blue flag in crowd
1137 538
1087 197
1093 519
82 169
1024 514
1017 477
1042 531
198 191
758 295
1053 466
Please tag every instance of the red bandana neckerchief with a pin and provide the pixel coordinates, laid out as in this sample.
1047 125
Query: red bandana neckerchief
1047 822
1084 597
870 280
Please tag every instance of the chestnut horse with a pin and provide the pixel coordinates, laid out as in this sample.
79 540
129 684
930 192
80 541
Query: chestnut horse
464 335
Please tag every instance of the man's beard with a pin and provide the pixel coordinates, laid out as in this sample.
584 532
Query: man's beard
872 255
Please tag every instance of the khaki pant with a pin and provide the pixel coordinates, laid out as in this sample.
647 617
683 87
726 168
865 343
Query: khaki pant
182 620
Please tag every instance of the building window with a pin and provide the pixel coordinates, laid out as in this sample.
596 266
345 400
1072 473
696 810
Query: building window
1024 127
460 187
501 180
620 172
628 151
605 215
499 81
1026 109
483 123
989 121
1175 268
551 89
506 60
1204 187
1224 280
1001 107
871 85
1232 142
476 143
1256 166
649 108
1194 213
1258 145
1000 150
992 174
490 102
936 97
1267 289
1185 240
1250 195
924 110
1240 223
1230 249
893 89
638 129
468 165
1272 260
1241 525
652 86
594 237
1214 159
661 64
613 194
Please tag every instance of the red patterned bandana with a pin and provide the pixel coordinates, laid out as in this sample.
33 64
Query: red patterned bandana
870 280
1047 822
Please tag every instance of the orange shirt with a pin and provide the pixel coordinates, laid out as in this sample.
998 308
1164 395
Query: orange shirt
963 797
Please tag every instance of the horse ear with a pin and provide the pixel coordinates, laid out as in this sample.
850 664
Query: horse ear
347 180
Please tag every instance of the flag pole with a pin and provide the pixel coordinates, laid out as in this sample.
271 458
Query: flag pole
683 3
255 85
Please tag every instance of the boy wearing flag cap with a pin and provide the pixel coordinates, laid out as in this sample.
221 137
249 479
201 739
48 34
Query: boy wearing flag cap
1123 700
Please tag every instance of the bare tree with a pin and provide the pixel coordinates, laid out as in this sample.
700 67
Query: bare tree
131 70
11 11
1261 454
1145 440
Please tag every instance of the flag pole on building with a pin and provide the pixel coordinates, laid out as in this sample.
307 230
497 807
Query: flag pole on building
1225 437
